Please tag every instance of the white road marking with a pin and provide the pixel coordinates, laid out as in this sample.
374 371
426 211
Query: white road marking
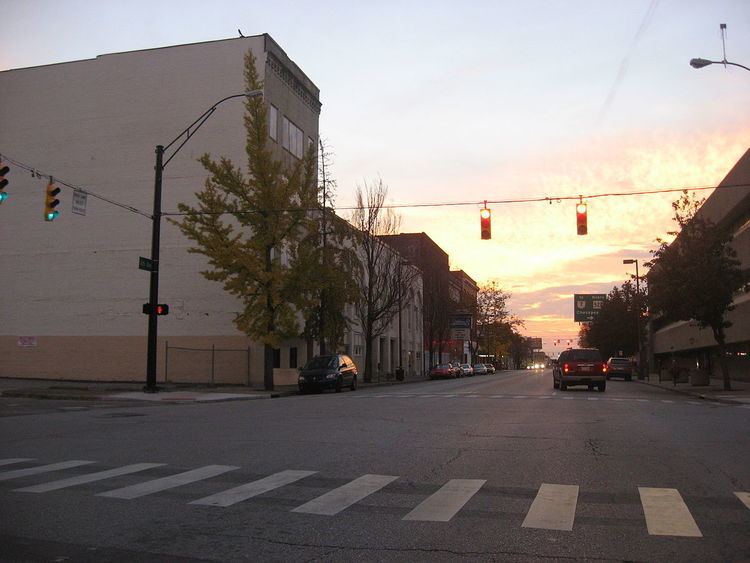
744 497
249 490
156 485
667 514
554 508
667 401
592 398
343 497
89 478
5 475
446 502
520 397
12 460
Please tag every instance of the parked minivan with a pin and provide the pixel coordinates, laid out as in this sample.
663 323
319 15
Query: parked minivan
328 372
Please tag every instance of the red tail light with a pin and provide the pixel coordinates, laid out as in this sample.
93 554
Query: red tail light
604 368
566 368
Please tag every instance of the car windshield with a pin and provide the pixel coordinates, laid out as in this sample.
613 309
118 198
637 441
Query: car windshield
321 362
584 356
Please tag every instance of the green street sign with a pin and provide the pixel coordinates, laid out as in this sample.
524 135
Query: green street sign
586 306
145 264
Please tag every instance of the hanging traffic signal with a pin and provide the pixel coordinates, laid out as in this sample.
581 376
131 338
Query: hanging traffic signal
485 223
3 182
581 218
50 202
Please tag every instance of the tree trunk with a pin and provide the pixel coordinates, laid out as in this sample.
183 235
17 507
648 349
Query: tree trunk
720 340
368 356
268 367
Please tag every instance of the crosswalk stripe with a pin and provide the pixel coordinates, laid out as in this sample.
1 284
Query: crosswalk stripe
343 497
12 460
446 502
5 475
89 478
667 514
156 485
255 488
554 508
744 497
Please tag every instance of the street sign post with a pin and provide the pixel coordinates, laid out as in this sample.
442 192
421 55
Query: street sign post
586 306
145 264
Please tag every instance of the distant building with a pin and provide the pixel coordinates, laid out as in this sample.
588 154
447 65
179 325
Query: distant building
728 207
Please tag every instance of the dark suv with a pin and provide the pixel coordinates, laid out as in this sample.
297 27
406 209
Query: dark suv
328 372
580 366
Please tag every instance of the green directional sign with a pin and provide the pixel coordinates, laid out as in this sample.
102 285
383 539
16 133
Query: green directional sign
586 306
145 264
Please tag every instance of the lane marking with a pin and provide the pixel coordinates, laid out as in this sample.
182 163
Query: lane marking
667 514
744 497
156 485
592 398
446 502
12 460
89 478
343 497
253 489
4 476
554 508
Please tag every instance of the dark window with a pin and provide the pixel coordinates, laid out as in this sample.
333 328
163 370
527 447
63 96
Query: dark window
277 357
293 357
584 356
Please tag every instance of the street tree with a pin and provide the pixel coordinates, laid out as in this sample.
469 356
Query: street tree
498 329
696 276
614 330
384 278
327 249
245 221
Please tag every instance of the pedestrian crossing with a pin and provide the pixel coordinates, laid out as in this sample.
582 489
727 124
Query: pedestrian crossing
554 505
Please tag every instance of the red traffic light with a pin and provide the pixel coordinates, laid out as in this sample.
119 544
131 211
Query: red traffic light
582 218
159 309
485 223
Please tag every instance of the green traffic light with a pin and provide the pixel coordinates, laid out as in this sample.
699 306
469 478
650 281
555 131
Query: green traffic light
3 196
52 215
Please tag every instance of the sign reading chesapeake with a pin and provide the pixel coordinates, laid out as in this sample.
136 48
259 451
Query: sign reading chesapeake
586 306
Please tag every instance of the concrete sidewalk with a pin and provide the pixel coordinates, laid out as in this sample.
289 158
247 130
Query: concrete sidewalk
714 391
133 391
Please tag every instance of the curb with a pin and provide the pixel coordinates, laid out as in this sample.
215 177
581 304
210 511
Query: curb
696 394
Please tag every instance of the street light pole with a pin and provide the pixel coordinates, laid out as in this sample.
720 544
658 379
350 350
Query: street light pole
700 63
637 305
153 294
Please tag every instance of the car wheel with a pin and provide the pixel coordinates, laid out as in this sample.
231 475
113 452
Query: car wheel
602 386
302 390
563 386
353 386
338 385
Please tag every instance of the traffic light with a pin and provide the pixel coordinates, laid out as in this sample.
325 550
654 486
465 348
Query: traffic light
581 218
50 202
485 223
161 309
3 182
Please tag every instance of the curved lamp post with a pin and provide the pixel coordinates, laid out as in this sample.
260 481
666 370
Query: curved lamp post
153 299
637 313
700 63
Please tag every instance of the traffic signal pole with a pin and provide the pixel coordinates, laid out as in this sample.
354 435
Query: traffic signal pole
153 293
153 297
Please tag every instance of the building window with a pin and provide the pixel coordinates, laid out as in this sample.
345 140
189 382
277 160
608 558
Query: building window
273 123
277 357
357 345
291 137
293 357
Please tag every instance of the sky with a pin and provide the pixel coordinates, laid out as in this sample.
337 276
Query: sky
467 101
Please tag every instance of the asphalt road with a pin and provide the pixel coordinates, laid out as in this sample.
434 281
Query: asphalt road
498 467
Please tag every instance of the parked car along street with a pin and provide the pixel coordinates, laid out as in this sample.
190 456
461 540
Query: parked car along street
442 371
328 372
620 367
480 369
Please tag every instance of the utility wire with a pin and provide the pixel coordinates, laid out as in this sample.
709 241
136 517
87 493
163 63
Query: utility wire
37 174
548 199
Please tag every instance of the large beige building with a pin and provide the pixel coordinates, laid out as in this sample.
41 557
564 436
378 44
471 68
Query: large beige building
72 292
727 206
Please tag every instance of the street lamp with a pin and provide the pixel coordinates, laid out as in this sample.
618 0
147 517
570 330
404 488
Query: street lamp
153 298
700 63
637 313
